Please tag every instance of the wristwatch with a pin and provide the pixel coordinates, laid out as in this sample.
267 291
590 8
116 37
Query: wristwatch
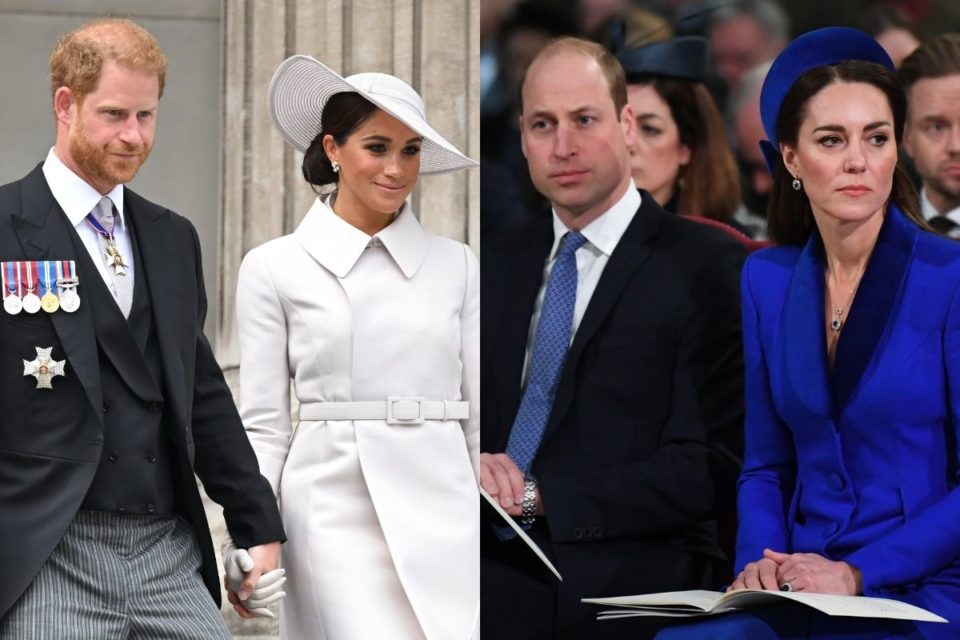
529 504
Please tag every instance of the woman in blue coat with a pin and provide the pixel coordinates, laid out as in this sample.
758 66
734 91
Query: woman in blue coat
852 346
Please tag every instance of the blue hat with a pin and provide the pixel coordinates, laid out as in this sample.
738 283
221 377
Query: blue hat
684 57
813 49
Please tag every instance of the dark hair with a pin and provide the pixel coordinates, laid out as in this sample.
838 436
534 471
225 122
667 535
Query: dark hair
789 216
935 58
711 181
341 116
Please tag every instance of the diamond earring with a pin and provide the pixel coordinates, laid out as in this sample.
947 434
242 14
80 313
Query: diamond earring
795 184
336 167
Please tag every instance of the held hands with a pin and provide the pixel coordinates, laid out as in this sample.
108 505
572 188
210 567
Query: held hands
807 572
502 479
252 580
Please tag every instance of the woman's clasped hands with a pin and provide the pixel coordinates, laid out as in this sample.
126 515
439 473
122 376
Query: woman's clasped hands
806 572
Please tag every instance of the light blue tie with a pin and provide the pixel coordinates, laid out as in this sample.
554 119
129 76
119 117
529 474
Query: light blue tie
550 345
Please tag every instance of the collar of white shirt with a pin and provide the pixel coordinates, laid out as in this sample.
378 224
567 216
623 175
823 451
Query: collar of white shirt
929 211
73 194
605 232
337 244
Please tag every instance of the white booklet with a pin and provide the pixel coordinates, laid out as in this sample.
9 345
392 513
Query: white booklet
520 532
701 603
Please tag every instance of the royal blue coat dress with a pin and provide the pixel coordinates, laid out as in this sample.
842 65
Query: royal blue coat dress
860 464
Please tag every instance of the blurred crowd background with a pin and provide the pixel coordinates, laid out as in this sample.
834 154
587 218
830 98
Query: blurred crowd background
743 35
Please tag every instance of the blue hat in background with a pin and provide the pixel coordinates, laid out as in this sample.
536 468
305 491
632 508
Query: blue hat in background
813 49
683 57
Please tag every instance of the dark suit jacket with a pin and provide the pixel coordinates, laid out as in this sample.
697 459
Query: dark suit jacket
51 441
642 445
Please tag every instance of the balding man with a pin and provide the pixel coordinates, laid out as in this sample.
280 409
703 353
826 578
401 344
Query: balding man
611 371
111 394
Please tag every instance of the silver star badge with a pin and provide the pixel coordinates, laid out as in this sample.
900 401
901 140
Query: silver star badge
44 368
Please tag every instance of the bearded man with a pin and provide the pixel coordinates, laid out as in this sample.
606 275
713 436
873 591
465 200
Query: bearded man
111 394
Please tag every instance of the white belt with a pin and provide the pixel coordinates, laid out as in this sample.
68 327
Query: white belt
395 410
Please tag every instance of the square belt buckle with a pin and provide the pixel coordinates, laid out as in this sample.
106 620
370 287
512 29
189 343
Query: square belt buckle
404 410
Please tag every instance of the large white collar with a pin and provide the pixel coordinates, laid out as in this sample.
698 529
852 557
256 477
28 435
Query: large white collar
337 245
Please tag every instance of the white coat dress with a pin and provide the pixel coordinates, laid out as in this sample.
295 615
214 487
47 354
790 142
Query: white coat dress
382 519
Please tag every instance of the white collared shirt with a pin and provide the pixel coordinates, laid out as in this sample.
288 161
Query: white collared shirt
77 199
603 235
930 212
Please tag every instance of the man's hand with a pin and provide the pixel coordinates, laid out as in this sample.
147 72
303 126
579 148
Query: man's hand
252 580
761 574
813 573
502 479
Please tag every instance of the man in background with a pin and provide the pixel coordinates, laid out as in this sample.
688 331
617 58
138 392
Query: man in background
931 78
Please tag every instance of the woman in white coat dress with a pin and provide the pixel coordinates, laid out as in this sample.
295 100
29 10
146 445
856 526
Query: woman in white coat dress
377 323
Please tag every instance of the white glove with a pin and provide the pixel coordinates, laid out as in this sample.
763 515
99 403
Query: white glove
237 563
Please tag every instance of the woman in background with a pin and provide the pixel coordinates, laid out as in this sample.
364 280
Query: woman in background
681 156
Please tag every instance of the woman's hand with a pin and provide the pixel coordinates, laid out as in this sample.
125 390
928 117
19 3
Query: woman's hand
761 574
813 573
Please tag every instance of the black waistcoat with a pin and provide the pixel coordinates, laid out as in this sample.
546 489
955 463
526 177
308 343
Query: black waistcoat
135 471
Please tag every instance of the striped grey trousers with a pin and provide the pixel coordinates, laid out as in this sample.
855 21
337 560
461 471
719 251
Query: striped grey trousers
118 576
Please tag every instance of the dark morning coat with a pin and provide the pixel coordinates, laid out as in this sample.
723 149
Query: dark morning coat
52 441
641 448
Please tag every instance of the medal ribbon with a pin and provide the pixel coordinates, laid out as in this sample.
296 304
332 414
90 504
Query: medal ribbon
30 268
59 281
9 284
47 284
99 228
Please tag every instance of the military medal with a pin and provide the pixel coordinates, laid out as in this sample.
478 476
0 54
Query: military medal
12 303
50 302
110 252
67 283
31 301
44 368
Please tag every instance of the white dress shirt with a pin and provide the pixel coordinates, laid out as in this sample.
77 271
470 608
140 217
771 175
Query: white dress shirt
929 211
77 199
603 235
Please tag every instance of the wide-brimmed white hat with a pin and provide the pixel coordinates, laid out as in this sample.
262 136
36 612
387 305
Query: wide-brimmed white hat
302 85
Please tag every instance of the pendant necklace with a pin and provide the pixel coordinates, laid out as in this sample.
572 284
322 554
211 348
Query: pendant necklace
836 324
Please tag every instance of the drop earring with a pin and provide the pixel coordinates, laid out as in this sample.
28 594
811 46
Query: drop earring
796 184
336 167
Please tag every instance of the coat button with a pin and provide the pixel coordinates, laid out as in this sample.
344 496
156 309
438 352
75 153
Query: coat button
121 508
578 533
113 456
151 507
152 458
597 532
106 407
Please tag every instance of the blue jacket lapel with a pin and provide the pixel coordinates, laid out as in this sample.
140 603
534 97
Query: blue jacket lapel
804 355
873 310
875 306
